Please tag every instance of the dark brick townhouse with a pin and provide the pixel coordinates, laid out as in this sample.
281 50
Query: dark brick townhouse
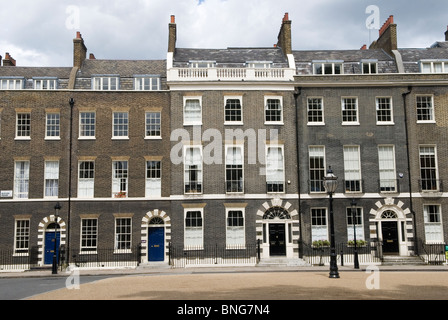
224 150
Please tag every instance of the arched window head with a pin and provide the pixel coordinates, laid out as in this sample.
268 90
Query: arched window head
276 213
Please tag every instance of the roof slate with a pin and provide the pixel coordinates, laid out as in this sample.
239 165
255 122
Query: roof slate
344 55
123 68
36 72
231 55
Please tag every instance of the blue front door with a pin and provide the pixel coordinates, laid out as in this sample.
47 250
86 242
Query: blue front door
49 247
156 241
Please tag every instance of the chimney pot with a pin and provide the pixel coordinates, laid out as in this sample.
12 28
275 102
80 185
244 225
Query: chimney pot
364 47
173 19
286 17
9 61
92 56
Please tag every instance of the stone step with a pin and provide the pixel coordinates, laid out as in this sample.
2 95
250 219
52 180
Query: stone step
286 262
399 260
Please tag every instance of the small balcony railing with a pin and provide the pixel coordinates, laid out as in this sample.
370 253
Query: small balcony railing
230 74
430 186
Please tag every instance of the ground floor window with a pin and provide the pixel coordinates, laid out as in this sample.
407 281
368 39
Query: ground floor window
319 230
22 236
235 233
433 223
89 234
123 233
194 232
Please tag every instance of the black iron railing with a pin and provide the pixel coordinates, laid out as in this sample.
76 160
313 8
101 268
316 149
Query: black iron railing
368 253
432 253
183 256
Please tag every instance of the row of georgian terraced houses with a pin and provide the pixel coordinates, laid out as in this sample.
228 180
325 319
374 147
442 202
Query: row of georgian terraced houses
225 149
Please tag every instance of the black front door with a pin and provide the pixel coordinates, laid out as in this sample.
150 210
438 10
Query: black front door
390 237
277 243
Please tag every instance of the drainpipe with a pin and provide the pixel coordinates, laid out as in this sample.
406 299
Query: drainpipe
404 95
72 103
297 93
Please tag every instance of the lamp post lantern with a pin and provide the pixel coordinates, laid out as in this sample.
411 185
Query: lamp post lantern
330 184
353 209
54 268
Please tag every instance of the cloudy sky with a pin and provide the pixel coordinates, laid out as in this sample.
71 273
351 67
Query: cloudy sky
40 32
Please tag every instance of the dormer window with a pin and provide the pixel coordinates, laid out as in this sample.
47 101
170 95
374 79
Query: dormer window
436 66
259 64
45 84
11 84
202 64
327 67
147 83
105 83
369 67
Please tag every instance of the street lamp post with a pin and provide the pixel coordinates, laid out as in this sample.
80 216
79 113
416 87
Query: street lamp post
330 184
353 208
54 269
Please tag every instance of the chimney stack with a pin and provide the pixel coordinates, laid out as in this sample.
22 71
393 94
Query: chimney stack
9 61
172 35
284 36
387 39
79 50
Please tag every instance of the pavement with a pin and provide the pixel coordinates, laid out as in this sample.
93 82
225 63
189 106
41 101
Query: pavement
401 282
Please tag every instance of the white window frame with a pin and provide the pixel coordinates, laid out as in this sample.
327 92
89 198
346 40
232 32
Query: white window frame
86 185
192 121
21 236
120 178
122 236
382 101
352 167
202 64
23 130
316 186
199 171
281 110
193 235
309 102
88 233
45 84
53 126
323 65
153 125
369 65
120 130
433 229
319 231
11 84
356 110
359 226
106 83
147 83
235 235
430 111
241 148
21 179
430 66
387 169
233 122
82 126
436 168
276 168
51 179
153 180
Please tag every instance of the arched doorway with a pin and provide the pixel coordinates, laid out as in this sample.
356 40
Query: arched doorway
156 234
391 225
276 228
52 243
389 231
156 239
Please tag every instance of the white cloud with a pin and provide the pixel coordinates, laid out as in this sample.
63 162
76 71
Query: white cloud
37 33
